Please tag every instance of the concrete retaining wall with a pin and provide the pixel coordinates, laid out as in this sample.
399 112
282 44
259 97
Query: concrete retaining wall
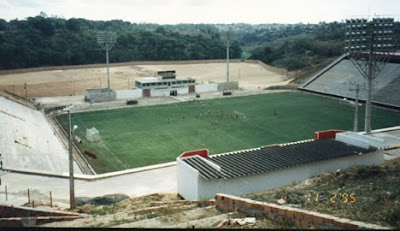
129 94
228 86
29 217
211 87
160 92
166 92
287 215
100 95
33 221
15 211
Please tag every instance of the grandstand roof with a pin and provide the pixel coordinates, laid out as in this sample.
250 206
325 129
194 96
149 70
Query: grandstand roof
271 158
336 79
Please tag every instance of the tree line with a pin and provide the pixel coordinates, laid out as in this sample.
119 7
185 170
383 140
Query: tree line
41 41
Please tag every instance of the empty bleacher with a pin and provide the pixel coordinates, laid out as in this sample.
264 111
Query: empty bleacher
27 140
339 79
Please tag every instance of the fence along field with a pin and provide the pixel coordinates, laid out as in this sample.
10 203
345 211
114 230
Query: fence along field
140 136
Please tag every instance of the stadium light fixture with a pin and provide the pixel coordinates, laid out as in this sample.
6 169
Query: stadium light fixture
369 44
107 40
71 159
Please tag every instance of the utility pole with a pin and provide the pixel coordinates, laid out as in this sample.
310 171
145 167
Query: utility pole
71 160
71 167
357 90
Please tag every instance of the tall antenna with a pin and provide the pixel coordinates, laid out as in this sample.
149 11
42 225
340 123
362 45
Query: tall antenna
370 45
228 41
107 40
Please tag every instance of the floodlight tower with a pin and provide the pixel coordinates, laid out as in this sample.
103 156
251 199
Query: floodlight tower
107 40
370 44
228 42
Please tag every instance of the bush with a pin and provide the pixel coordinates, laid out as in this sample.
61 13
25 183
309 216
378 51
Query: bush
367 172
393 217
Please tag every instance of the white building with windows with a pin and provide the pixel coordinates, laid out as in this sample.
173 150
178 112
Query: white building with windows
166 83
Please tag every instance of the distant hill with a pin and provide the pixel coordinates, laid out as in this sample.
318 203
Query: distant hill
42 41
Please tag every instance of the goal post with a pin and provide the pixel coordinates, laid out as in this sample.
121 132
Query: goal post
92 134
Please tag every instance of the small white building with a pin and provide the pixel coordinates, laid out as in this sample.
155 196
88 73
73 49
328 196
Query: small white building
200 177
92 134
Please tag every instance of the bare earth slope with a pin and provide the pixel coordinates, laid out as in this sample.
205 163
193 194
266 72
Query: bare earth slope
74 81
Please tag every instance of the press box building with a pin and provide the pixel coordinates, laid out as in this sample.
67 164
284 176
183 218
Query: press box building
166 83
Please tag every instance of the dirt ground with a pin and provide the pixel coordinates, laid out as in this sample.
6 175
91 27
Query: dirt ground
251 76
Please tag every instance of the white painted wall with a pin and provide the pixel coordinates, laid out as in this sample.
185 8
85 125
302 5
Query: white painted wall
188 180
211 87
264 181
129 94
166 92
160 92
182 91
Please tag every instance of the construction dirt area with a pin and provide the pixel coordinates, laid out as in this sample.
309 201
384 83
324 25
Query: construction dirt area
68 81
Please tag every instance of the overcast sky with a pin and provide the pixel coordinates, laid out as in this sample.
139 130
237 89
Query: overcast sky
202 11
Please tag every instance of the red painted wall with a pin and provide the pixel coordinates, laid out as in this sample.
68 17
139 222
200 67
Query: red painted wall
330 134
202 152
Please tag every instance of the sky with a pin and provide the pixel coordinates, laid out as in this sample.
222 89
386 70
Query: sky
203 11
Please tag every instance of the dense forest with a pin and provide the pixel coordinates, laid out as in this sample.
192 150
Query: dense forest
42 41
48 41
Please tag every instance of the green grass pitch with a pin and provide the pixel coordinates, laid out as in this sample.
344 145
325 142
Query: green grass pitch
141 136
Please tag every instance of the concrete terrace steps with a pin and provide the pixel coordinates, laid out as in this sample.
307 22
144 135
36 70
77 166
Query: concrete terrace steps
325 69
338 77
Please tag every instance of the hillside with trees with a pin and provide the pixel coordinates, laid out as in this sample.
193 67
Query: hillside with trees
41 41
48 41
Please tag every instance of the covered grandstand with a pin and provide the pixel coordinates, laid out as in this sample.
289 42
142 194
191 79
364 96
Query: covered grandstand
338 77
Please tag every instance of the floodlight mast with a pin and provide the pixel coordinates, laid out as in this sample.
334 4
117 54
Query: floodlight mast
107 41
370 45
227 42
